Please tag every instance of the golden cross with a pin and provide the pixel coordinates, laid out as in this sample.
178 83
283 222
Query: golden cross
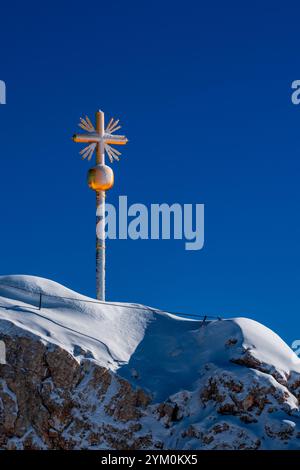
100 138
100 179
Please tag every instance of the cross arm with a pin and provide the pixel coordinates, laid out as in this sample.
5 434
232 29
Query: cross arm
115 139
87 138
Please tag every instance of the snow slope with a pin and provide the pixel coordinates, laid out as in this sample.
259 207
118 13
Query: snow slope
158 351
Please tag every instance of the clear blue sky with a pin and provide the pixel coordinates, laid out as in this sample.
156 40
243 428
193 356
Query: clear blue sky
203 91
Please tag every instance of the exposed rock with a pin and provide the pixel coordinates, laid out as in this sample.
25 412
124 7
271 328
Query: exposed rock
49 400
227 393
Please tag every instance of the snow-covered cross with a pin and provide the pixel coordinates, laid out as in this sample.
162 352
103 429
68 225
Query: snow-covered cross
100 178
100 138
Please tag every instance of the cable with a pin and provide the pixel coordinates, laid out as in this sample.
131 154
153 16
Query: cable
113 304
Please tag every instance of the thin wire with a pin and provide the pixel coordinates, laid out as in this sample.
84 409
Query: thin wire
113 304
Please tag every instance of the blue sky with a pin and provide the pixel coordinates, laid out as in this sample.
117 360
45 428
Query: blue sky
203 93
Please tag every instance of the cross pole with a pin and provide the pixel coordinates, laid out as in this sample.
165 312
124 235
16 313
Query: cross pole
100 179
100 214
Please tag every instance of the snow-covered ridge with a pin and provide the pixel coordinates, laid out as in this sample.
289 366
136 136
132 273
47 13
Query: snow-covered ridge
160 352
86 375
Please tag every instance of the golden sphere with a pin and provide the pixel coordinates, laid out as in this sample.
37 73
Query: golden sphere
100 178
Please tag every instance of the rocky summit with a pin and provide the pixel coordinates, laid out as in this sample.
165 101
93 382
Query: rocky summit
82 375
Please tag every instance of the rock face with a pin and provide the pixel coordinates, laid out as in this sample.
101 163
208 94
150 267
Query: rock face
241 396
50 401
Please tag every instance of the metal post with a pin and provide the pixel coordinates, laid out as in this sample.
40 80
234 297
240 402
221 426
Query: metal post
100 245
40 301
100 215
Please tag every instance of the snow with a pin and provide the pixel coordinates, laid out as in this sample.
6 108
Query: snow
152 349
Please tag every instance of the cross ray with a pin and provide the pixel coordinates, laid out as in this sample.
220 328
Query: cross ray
88 151
84 122
109 124
89 122
113 125
112 153
88 154
114 150
109 156
115 129
86 125
109 153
